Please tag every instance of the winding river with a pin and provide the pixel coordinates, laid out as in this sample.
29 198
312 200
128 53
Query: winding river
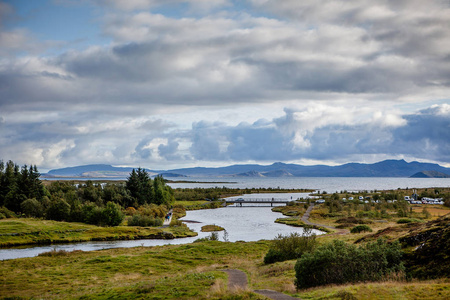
247 223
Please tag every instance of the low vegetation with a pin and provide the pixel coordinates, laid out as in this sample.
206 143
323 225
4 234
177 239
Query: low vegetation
292 246
210 228
338 263
26 231
361 228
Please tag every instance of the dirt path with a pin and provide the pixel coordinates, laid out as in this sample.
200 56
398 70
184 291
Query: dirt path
305 218
238 280
167 221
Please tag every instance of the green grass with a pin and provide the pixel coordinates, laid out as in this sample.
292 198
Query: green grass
189 271
191 203
163 272
15 232
297 222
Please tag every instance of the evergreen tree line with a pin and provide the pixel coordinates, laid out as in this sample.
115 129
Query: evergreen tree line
19 184
22 192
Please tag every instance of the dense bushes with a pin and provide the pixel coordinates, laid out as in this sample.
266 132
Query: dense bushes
337 262
360 228
111 215
144 221
290 246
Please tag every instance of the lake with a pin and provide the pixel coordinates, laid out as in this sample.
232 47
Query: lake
328 184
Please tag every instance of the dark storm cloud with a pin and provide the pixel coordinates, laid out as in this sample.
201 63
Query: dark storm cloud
427 134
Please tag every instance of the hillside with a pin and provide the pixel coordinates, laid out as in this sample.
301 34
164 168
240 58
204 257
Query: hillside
430 174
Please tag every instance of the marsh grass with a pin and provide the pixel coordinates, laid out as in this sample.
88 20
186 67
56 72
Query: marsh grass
60 252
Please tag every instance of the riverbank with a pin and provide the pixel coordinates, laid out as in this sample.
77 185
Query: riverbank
26 231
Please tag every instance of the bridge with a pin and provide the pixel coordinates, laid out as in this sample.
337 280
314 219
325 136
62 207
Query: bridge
270 201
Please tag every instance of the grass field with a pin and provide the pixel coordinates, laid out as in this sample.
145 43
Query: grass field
180 272
23 231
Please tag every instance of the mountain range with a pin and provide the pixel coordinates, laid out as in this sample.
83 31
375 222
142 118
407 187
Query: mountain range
386 168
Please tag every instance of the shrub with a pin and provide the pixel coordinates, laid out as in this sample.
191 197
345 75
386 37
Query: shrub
58 210
130 211
337 263
406 221
366 214
175 223
32 208
153 210
214 236
6 213
144 221
290 246
361 228
111 215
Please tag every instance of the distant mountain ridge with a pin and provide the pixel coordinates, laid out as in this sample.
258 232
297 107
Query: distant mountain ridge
96 170
386 168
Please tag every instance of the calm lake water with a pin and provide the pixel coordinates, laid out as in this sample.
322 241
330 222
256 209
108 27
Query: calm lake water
328 184
246 223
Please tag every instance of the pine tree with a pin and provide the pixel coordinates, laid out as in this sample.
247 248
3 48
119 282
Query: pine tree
139 184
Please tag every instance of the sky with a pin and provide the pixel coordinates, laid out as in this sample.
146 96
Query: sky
166 84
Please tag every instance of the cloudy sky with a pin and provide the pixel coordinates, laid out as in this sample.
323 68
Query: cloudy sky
164 84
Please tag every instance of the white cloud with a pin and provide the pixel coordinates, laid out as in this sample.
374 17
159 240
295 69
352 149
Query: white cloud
209 84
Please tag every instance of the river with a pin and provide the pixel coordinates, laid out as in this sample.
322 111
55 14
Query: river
246 223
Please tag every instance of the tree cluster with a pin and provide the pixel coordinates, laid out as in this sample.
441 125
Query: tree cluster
144 190
19 184
22 192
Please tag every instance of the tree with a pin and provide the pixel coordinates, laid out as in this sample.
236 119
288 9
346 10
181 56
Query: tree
58 210
32 208
163 193
140 186
112 215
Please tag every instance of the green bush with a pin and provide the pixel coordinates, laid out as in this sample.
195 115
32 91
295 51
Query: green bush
32 208
214 236
144 221
111 215
7 213
338 263
59 210
291 246
361 228
406 221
